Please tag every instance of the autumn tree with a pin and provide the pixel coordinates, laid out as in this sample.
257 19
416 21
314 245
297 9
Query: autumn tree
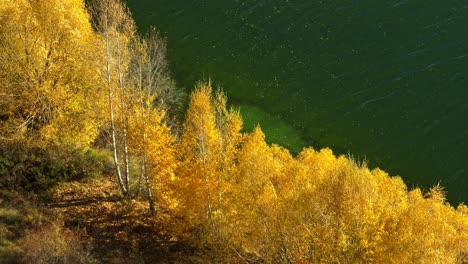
228 123
199 146
209 142
156 77
149 133
47 80
259 202
113 22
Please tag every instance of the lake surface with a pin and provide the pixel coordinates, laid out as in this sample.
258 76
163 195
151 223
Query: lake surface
385 81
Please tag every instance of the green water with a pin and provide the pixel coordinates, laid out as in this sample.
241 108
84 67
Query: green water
382 80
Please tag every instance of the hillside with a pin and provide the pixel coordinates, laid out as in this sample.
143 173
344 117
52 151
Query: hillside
88 222
97 166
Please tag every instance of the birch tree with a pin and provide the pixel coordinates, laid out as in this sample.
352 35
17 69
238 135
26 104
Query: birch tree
149 75
112 20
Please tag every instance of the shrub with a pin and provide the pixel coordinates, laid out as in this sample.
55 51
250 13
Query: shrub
37 168
54 244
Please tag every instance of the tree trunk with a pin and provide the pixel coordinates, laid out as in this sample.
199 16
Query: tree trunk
111 112
124 117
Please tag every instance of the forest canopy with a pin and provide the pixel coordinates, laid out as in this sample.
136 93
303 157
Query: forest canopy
77 77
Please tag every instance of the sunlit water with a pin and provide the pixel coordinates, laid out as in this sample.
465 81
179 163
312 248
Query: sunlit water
382 80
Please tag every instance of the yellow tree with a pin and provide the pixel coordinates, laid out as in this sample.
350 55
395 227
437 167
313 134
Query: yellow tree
152 142
341 211
113 22
228 124
209 143
47 80
161 162
149 133
198 153
258 225
429 230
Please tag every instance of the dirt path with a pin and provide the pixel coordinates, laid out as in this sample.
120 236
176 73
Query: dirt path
119 231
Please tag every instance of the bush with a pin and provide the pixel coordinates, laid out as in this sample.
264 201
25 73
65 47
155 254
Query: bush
17 214
36 168
54 244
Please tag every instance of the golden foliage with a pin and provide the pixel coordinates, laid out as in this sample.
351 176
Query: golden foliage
197 175
47 77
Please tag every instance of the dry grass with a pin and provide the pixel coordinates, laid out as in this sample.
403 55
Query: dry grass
29 233
54 244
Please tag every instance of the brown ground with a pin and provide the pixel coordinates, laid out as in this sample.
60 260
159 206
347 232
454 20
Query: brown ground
118 231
